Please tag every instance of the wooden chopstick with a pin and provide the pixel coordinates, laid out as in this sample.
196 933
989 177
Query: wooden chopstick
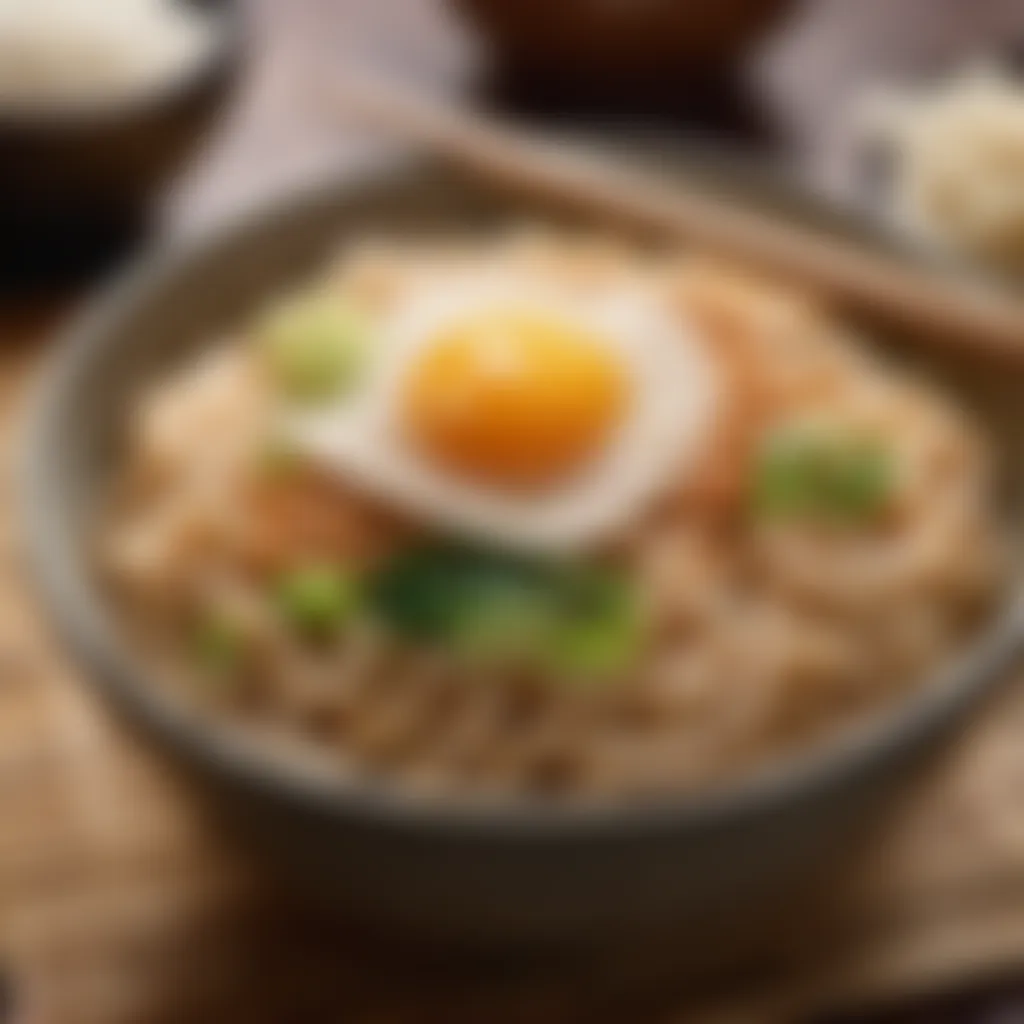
931 305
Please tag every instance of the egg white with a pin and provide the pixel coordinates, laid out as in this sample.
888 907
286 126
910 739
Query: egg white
674 389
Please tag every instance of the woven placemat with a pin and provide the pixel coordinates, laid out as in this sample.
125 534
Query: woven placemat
119 903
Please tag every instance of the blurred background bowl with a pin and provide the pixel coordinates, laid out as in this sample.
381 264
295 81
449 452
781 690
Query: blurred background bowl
78 187
620 50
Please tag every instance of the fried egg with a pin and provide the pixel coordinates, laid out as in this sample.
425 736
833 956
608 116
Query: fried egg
518 415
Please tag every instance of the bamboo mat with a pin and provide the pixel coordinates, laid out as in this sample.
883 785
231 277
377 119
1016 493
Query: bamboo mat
120 904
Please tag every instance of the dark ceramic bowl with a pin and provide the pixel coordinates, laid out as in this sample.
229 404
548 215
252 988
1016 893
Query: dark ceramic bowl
523 874
681 38
645 59
77 187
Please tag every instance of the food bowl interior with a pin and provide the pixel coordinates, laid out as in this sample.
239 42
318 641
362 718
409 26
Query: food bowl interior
169 309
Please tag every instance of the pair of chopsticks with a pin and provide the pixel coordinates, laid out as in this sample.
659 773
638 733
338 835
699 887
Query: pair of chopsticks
932 306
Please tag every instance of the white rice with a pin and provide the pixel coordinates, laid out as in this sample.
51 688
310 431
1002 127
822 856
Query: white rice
57 54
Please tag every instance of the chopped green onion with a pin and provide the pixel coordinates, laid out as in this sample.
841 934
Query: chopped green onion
318 600
508 625
810 471
597 626
866 480
483 603
438 591
314 347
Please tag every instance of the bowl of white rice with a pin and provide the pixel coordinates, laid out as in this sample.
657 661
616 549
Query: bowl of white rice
100 102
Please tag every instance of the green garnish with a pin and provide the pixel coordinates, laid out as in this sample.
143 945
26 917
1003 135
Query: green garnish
314 346
598 626
811 471
217 644
445 592
484 603
317 600
456 597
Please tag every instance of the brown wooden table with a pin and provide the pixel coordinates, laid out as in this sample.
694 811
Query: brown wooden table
72 788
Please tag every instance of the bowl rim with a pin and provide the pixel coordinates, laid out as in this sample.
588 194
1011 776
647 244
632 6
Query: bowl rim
72 601
231 34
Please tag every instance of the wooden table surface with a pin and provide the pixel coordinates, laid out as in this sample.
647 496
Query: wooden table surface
797 88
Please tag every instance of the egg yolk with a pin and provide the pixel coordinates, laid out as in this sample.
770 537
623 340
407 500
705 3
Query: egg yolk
514 397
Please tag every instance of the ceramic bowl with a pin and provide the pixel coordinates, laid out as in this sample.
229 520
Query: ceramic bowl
76 188
525 875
